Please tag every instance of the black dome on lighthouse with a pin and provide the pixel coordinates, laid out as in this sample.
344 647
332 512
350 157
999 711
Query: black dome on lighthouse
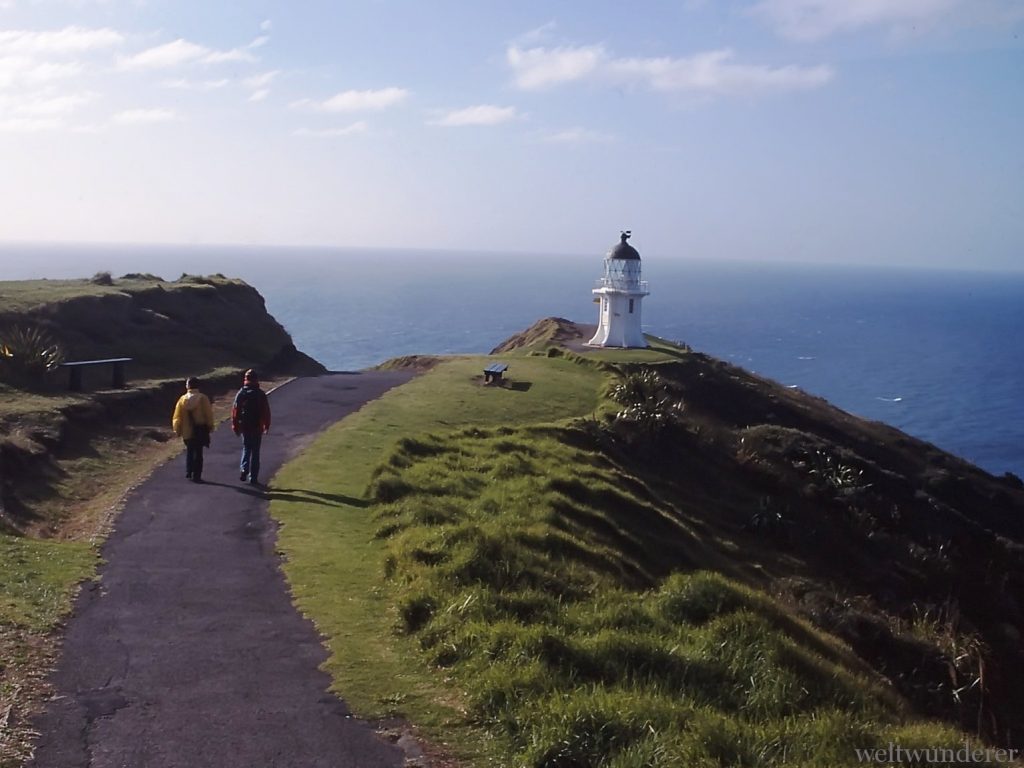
623 250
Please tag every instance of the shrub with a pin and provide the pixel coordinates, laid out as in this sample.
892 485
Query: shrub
102 278
27 354
647 401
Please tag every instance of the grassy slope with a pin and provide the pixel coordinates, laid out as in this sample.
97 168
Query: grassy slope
335 566
472 571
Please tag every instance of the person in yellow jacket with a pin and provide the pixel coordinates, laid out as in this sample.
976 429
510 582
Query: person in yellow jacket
193 422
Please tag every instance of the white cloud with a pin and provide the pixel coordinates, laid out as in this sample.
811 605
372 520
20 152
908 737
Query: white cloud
46 105
235 54
817 19
259 42
327 133
266 25
22 70
171 54
179 52
482 114
538 68
196 85
258 85
712 72
29 124
29 58
355 101
715 72
536 35
578 136
261 80
69 40
144 116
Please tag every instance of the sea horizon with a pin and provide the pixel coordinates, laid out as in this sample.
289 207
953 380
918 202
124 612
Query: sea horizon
930 350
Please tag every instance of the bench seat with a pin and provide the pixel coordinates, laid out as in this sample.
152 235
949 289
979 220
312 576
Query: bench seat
75 371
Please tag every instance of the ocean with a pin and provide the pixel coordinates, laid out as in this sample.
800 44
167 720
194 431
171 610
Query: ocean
938 354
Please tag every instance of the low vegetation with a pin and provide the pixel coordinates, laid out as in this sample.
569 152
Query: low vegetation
649 558
27 356
34 595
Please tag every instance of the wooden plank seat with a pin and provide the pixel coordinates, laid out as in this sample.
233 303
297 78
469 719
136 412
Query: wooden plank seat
494 372
76 367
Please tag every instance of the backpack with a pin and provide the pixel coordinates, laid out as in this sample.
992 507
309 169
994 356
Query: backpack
250 409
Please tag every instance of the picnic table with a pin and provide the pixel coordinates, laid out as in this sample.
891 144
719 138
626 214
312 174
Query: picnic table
494 372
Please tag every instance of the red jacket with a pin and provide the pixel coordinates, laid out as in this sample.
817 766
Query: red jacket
250 412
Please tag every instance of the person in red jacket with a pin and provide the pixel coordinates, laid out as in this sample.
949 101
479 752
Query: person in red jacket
250 418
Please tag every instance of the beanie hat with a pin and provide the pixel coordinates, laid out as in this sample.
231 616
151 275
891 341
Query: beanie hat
250 375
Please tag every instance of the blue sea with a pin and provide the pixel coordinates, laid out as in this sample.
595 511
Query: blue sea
938 354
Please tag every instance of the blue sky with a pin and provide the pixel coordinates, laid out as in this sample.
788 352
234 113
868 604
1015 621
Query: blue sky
875 131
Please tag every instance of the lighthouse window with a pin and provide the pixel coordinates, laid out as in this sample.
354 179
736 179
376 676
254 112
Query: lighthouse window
631 306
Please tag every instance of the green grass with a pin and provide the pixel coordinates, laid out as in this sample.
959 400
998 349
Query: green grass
479 566
335 565
37 582
20 296
522 565
37 579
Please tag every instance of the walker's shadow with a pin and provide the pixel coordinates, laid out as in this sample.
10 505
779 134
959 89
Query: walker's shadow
316 497
248 490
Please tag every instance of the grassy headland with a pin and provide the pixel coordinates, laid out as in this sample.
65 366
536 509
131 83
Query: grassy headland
653 558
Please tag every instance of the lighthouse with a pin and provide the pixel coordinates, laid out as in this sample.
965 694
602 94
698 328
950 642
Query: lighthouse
619 295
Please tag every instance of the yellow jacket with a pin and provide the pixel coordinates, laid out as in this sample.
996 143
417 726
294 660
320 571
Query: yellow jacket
195 404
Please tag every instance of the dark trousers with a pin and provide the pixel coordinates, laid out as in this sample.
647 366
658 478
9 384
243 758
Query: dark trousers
251 454
193 459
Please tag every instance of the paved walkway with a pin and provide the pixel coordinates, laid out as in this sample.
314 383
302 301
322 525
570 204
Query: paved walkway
188 652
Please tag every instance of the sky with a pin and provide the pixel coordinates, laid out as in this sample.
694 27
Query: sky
859 131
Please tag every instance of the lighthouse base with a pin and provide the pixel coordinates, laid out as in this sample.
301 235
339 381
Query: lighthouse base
618 320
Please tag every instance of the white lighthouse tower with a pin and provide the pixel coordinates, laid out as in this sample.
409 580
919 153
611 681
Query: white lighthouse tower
619 294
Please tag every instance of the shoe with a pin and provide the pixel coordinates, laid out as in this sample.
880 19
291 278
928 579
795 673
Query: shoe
188 475
197 479
242 476
253 481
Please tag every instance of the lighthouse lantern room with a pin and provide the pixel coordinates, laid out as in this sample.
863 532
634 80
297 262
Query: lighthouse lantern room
619 295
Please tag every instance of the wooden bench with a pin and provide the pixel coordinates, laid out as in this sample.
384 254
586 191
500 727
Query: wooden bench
494 372
75 371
